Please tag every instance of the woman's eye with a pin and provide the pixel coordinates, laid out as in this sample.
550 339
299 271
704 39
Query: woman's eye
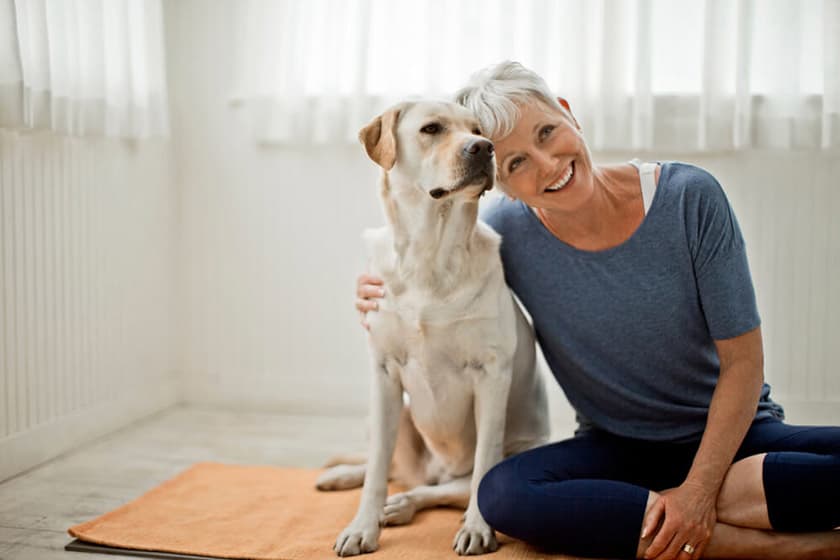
546 130
432 128
514 163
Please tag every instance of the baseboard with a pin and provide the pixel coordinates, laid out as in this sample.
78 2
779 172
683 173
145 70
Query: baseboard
25 450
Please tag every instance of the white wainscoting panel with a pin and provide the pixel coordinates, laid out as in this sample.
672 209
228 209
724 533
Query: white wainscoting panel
87 315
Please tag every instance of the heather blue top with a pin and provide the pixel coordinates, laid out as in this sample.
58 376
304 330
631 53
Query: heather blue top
629 331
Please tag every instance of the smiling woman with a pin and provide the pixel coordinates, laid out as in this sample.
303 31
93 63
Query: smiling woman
637 280
647 317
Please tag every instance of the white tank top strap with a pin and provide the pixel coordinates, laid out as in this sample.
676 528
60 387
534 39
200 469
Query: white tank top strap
647 173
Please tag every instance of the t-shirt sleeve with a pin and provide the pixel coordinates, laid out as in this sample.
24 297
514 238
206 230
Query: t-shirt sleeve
724 282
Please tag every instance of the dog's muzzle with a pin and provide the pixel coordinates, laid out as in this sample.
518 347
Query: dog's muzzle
478 166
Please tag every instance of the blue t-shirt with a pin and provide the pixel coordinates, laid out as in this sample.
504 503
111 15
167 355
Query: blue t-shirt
629 331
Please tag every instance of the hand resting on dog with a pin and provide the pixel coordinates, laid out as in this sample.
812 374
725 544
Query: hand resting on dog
367 288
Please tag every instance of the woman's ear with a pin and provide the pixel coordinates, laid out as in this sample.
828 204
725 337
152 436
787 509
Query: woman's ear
565 105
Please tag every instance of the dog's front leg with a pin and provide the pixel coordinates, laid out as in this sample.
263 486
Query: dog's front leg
362 535
491 394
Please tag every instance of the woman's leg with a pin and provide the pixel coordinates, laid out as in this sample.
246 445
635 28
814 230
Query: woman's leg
585 496
741 501
730 541
786 478
793 486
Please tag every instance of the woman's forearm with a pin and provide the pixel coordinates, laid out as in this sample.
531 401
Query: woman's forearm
731 411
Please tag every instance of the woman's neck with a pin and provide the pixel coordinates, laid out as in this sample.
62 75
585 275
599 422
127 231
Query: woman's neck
610 215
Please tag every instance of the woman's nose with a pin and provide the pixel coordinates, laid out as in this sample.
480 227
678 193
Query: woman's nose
544 163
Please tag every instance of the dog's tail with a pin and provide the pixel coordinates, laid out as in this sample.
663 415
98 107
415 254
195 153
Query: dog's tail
357 459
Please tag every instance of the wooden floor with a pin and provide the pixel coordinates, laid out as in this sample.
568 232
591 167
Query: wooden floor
37 507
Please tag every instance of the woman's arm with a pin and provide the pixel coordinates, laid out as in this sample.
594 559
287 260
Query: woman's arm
733 407
689 510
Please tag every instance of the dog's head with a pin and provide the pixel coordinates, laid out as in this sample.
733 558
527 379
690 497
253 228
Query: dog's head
435 146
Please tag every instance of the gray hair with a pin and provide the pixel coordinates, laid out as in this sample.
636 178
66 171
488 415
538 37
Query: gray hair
494 93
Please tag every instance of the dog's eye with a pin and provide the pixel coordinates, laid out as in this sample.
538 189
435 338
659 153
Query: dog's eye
432 128
476 131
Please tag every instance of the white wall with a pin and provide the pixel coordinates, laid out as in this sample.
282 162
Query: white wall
271 250
87 276
271 243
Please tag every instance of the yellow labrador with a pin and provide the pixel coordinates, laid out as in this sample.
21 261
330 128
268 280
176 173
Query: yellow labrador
448 333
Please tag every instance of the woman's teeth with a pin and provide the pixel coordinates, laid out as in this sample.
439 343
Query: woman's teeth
563 180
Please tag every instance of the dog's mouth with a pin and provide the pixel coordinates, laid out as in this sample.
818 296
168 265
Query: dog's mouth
479 178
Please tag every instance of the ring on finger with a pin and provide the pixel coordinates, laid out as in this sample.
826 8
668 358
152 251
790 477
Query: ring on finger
688 548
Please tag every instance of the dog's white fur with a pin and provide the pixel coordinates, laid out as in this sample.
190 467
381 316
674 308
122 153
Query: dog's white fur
448 333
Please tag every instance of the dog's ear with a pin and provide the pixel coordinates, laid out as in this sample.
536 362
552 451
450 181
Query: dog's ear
379 138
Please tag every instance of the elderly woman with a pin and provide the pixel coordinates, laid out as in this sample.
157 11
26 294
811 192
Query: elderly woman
637 281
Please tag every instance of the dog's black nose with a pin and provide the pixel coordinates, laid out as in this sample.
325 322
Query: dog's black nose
479 148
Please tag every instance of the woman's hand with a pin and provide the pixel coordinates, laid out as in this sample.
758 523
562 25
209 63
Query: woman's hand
367 287
689 513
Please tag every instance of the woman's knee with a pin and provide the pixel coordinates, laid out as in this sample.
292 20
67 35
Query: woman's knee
801 491
741 500
508 491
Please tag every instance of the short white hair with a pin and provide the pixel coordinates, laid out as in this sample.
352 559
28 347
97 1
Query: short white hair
494 93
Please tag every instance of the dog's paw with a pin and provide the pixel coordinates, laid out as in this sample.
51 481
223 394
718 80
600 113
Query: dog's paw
475 538
399 510
341 477
357 539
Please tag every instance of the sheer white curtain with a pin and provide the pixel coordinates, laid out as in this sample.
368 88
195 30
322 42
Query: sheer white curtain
646 74
83 67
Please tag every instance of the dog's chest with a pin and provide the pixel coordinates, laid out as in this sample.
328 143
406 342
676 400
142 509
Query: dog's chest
437 359
450 333
438 333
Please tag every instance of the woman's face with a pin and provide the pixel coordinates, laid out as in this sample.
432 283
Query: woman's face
544 161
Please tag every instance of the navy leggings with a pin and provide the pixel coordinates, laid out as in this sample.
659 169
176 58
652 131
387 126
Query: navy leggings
586 496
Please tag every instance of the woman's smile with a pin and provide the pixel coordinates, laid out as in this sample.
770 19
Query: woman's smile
564 181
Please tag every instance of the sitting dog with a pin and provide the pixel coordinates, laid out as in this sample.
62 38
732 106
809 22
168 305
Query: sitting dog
448 333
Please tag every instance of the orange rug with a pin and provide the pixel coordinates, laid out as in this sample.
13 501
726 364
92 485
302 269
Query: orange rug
267 513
